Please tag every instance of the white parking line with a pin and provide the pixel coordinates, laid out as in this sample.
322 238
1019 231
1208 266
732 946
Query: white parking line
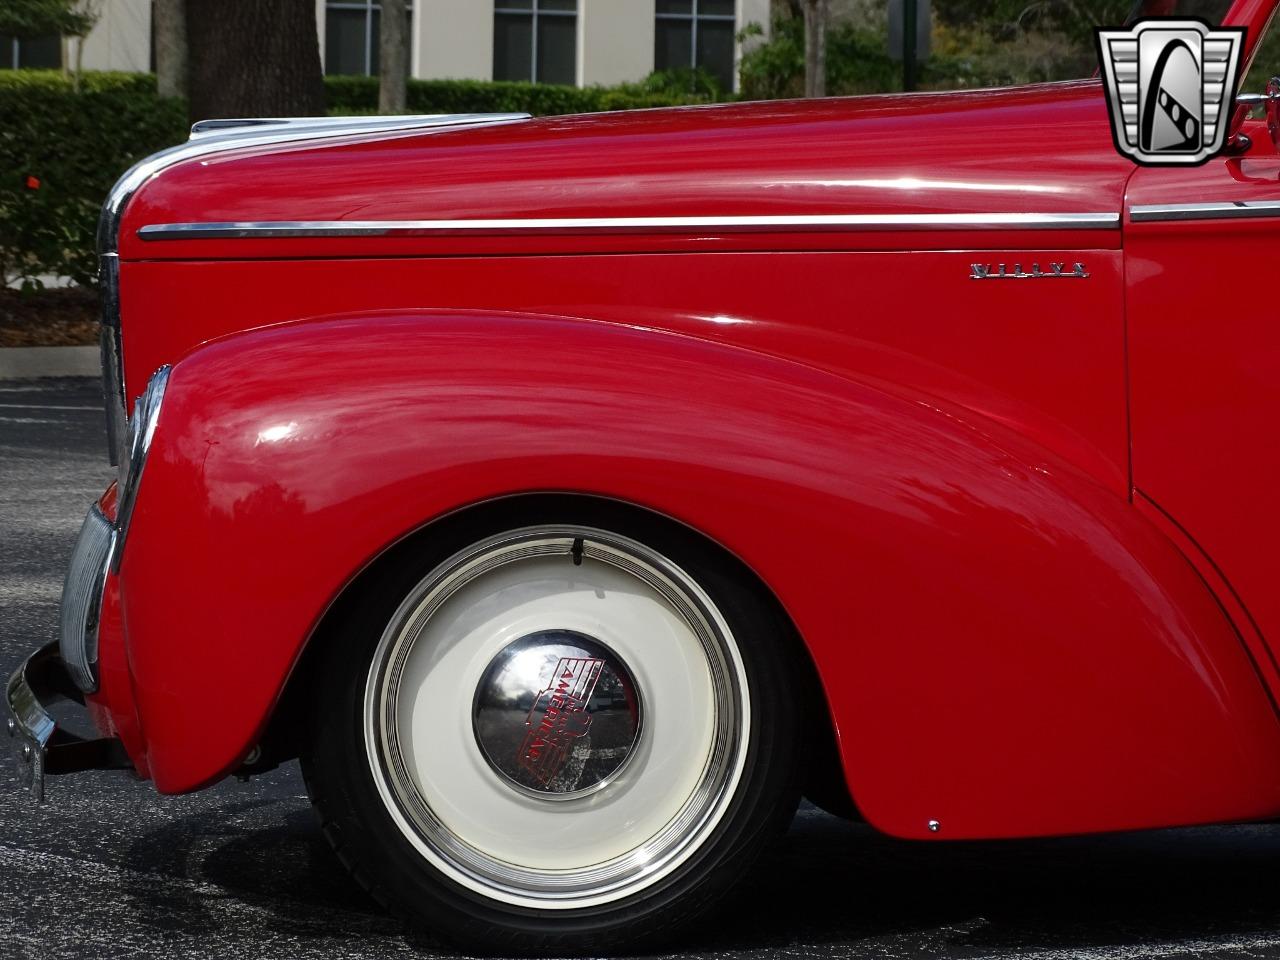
44 406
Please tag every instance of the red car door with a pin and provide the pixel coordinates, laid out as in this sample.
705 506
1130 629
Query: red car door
1204 349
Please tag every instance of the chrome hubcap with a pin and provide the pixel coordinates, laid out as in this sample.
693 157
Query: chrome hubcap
557 714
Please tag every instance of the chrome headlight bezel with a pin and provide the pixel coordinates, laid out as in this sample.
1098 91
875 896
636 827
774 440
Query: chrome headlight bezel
80 611
141 431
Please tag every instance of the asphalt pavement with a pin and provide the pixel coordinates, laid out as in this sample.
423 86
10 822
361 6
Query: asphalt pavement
107 868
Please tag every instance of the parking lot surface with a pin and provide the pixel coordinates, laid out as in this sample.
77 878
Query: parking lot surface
106 868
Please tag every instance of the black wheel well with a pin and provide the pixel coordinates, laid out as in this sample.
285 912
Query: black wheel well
825 782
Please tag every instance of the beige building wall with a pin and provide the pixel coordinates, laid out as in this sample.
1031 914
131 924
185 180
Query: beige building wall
615 41
121 40
453 40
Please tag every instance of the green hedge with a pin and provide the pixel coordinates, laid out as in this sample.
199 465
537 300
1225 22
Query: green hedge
62 149
60 152
356 95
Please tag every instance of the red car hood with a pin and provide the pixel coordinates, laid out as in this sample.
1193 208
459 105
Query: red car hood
1042 149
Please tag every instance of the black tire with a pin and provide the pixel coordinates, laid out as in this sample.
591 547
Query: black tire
356 820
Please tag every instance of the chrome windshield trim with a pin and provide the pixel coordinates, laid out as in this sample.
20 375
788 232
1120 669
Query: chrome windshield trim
253 230
215 136
248 126
1218 210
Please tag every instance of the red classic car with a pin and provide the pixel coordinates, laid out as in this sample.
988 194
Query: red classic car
570 495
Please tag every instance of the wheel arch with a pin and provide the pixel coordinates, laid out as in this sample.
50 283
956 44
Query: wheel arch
285 736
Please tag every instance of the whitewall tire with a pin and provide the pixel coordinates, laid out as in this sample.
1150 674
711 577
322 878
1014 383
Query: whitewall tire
552 737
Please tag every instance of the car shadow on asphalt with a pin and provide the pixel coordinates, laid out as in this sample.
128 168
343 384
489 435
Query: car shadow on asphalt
828 888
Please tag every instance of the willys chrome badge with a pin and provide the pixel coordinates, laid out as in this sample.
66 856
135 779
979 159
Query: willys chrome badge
1170 88
1002 271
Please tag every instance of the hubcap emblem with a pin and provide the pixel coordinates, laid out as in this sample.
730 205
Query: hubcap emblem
557 714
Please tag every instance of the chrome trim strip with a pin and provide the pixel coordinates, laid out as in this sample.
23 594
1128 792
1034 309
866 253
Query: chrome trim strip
245 126
208 138
1219 210
254 230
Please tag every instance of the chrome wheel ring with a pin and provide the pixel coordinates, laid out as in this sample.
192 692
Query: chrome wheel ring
628 801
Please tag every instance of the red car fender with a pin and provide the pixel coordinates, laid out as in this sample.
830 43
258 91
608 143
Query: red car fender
1007 647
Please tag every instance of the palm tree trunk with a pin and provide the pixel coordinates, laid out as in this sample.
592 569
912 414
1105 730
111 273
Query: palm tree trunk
170 25
394 55
815 48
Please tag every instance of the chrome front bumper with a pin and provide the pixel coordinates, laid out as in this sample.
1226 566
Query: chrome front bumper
40 747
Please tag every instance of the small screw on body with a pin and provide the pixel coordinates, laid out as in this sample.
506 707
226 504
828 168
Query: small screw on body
13 728
26 753
934 826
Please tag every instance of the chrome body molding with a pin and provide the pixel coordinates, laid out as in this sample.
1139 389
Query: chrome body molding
214 136
276 229
1219 210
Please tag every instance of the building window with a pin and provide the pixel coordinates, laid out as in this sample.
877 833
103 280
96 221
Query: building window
39 53
535 40
697 34
352 31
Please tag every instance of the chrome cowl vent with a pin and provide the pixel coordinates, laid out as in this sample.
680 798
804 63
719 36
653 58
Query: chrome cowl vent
82 599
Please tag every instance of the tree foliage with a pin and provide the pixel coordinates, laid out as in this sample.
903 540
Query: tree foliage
1006 19
43 18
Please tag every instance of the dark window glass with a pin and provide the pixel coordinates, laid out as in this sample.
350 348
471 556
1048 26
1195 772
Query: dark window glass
673 44
696 34
33 53
535 40
344 41
513 46
557 49
715 50
352 36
